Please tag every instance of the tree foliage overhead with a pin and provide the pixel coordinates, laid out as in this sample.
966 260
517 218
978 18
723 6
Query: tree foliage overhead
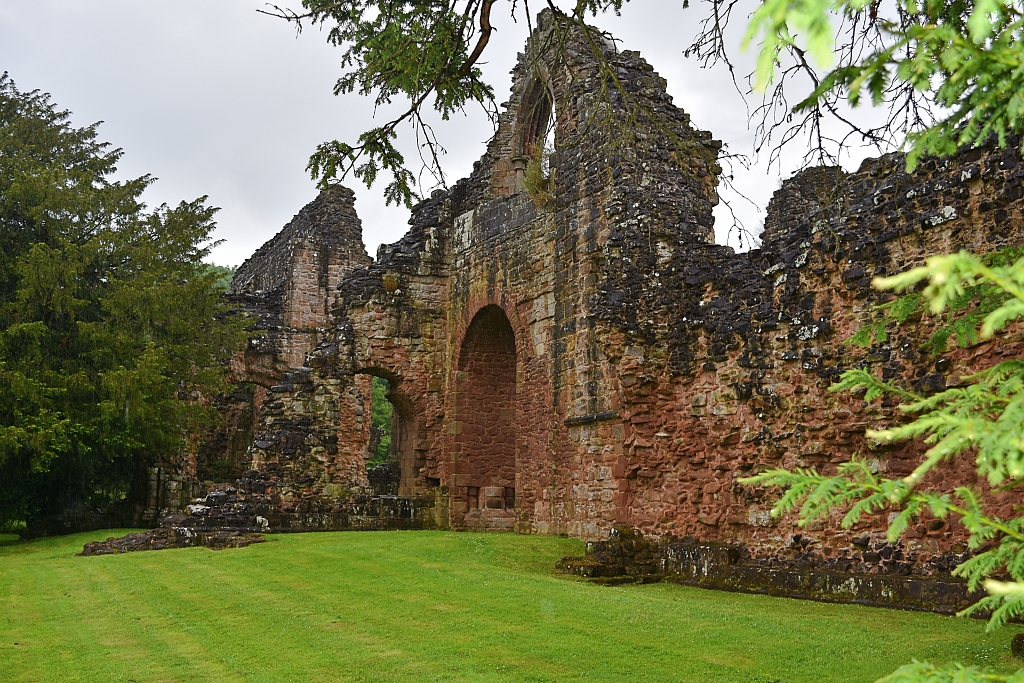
949 72
425 53
112 328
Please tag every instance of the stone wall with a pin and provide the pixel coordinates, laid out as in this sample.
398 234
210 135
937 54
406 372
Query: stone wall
288 284
740 378
222 453
628 557
288 288
483 446
567 360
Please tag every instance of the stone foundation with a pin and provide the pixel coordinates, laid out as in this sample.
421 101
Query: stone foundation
627 557
167 537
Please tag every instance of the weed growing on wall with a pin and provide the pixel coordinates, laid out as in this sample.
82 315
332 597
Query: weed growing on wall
537 180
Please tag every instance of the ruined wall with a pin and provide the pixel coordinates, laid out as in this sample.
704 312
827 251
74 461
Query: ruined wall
739 377
539 262
391 322
288 288
288 284
580 354
530 266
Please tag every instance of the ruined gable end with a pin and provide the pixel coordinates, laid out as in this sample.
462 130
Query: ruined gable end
288 283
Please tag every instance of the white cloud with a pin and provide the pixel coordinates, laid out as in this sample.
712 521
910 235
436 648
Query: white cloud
214 98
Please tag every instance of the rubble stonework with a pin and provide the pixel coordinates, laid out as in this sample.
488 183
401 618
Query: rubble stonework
289 282
628 557
566 361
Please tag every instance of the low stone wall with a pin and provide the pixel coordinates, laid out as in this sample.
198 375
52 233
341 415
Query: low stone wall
234 509
628 557
171 537
252 507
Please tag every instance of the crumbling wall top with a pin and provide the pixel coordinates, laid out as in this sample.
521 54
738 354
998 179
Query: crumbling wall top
329 221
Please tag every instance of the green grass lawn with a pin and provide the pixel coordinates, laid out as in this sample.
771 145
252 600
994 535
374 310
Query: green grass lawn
426 606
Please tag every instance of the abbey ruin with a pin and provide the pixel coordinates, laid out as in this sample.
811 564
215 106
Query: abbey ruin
584 357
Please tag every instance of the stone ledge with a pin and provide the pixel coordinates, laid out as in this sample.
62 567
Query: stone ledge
917 593
590 419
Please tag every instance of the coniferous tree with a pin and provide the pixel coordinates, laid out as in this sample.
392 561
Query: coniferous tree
112 329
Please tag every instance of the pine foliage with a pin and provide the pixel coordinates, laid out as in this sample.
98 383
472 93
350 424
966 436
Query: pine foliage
112 329
964 57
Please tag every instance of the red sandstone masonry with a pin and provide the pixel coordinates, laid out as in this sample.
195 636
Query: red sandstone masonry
559 368
485 428
693 435
539 268
289 283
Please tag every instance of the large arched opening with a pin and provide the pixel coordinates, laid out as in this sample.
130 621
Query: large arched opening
487 415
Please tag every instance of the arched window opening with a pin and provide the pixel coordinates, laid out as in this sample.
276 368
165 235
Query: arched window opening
537 140
536 114
384 425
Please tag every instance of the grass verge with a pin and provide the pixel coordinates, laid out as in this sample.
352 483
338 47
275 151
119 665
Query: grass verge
426 606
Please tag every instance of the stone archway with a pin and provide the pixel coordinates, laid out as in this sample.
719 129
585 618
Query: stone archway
487 410
406 454
406 434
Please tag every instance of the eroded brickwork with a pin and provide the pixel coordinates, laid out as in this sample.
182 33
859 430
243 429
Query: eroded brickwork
566 360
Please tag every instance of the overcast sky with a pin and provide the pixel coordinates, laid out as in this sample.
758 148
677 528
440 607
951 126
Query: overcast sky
216 99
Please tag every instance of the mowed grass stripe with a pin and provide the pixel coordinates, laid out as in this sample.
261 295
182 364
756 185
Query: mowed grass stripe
184 591
413 609
166 623
426 606
114 632
60 620
495 622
